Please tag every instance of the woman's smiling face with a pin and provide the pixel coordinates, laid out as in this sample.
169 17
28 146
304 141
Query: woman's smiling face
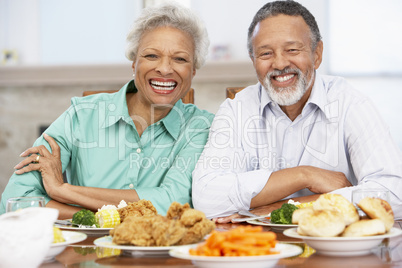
164 67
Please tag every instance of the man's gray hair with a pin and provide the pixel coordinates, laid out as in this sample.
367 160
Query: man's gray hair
171 15
290 8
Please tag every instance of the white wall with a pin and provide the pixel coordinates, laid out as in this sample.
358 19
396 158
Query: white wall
19 29
81 32
365 37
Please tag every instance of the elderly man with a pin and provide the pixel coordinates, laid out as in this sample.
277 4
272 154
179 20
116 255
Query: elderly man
295 134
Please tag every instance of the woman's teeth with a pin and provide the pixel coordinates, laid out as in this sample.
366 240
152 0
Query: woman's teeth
163 85
284 78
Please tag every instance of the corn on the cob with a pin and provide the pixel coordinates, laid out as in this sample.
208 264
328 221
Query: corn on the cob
57 235
102 252
307 252
303 205
108 218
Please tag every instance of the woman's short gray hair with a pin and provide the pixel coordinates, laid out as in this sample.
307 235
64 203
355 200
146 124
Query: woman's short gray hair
171 15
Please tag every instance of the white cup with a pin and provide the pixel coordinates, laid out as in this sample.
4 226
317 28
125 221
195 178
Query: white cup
26 236
17 203
359 194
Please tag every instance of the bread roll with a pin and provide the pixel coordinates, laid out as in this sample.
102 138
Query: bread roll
301 212
365 228
377 208
338 203
323 223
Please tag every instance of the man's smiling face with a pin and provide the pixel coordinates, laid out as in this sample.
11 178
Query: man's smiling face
283 57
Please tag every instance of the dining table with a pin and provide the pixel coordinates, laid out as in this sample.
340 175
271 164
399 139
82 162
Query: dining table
87 254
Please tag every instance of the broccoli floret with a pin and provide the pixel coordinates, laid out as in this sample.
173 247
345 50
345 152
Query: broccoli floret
287 212
275 216
85 217
283 215
84 251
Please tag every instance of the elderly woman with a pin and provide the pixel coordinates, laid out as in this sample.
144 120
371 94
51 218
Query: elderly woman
139 143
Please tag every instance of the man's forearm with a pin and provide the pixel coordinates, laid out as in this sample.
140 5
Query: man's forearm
285 182
281 184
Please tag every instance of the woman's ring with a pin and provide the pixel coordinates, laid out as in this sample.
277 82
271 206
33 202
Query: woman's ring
37 159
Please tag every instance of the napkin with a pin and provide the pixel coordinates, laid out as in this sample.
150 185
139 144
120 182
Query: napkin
26 236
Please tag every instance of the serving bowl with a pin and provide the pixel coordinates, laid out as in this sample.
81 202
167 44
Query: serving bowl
343 246
57 248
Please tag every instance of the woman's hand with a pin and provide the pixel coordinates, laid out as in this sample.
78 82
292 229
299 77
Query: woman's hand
48 164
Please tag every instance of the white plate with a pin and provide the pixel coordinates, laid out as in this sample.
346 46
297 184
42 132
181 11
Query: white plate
274 226
106 242
343 246
57 248
88 231
285 250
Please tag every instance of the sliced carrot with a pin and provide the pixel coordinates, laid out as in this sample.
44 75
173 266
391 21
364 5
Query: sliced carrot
240 241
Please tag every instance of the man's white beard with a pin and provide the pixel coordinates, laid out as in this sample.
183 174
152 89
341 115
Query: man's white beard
288 95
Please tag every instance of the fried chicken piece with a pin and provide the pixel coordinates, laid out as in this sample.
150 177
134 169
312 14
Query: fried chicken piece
176 210
134 231
197 225
168 232
137 209
191 216
197 232
148 231
181 226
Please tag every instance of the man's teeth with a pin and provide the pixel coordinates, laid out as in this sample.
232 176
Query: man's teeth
284 78
163 85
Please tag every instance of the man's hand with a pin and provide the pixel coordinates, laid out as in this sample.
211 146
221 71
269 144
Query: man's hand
265 210
226 219
322 181
285 182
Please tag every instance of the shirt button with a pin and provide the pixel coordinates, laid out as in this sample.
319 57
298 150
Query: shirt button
288 165
139 150
291 129
131 186
158 123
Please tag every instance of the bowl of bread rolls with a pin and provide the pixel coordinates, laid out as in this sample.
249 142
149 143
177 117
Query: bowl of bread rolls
332 225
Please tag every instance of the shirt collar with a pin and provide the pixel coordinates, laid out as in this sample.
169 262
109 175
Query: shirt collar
174 120
318 97
264 97
118 110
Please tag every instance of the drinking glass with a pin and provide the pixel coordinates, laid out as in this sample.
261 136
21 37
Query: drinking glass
358 195
17 203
